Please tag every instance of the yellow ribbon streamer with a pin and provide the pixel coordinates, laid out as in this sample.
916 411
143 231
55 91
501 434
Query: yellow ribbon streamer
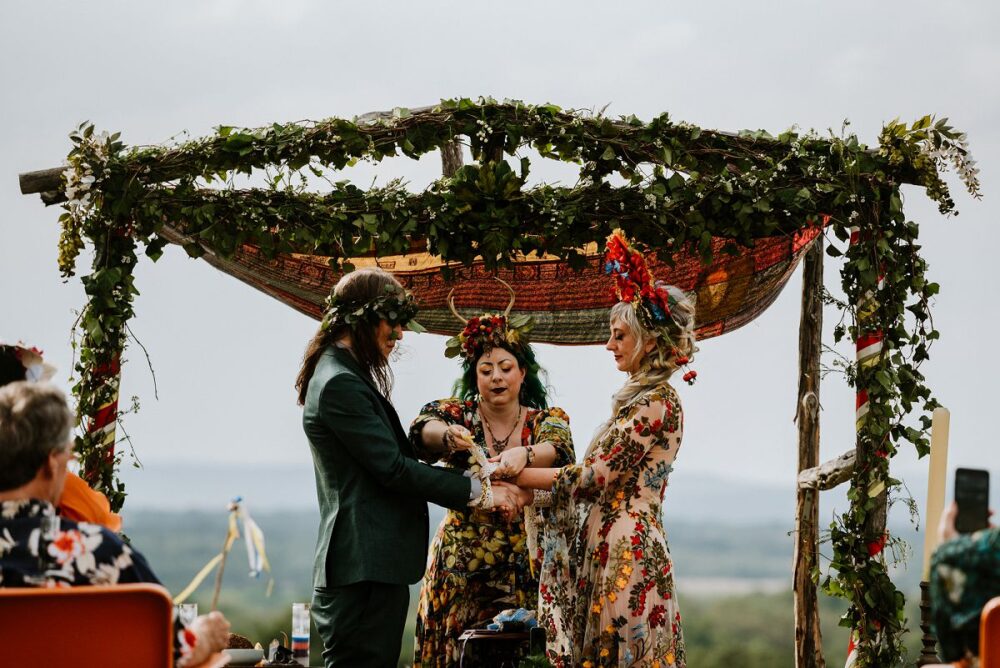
232 534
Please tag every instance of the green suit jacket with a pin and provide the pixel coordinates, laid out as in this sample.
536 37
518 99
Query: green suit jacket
372 489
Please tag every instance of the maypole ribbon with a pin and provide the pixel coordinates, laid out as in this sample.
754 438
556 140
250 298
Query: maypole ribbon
102 425
232 534
256 554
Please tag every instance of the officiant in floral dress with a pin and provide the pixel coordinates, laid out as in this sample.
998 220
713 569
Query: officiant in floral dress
478 563
607 581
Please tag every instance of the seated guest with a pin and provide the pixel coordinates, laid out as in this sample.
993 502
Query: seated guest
40 549
965 575
78 502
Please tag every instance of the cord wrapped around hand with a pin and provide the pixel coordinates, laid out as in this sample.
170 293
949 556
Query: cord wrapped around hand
485 469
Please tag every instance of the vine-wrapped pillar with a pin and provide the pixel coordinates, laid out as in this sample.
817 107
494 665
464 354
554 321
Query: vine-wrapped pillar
869 485
104 328
808 639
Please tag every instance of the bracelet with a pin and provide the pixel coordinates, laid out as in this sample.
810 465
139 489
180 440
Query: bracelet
541 498
531 455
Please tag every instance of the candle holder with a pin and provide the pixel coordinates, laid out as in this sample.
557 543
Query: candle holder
928 653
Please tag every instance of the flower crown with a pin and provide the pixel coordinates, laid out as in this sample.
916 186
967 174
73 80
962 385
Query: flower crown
35 368
651 299
485 332
395 307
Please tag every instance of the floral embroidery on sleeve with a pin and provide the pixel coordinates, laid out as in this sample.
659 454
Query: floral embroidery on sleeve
552 425
450 411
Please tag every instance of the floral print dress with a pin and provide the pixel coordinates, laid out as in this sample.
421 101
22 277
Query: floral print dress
607 583
477 564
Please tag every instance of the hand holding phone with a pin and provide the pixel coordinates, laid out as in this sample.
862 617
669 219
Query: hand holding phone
972 495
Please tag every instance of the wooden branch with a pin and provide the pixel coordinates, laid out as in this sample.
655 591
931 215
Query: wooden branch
42 181
808 638
48 182
829 474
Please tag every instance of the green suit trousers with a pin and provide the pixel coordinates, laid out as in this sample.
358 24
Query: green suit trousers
360 623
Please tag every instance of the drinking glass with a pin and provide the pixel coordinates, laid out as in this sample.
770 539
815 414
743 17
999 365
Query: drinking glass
300 633
187 613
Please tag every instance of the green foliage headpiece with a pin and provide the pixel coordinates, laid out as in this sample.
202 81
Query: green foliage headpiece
395 307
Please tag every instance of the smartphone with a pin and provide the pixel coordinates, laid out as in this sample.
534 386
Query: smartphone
972 494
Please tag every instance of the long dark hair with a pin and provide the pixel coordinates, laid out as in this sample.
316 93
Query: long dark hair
358 286
11 367
533 393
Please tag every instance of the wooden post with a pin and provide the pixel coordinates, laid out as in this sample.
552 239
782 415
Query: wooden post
808 640
451 158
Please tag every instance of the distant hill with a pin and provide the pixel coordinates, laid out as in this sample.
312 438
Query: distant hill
691 496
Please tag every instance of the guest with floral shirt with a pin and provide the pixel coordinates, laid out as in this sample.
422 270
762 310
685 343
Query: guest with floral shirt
40 549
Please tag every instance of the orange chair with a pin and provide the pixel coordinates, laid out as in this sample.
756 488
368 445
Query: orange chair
989 635
124 625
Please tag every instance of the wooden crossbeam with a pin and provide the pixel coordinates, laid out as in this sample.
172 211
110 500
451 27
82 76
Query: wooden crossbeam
829 474
48 182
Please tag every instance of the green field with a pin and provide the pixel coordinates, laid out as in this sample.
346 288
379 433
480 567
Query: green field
723 627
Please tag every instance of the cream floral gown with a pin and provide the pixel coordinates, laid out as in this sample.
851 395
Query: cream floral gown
606 592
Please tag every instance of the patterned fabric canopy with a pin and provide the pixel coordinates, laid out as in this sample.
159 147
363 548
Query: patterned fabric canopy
568 307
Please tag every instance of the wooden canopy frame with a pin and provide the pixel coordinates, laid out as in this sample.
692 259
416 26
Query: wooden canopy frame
158 195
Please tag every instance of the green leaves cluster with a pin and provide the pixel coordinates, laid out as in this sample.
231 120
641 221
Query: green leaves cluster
671 186
393 307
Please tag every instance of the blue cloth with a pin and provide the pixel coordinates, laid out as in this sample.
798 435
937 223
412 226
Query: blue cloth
527 617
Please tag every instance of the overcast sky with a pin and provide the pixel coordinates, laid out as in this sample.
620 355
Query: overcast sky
225 355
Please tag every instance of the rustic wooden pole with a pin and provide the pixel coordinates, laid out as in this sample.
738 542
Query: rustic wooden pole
829 474
808 639
451 158
42 181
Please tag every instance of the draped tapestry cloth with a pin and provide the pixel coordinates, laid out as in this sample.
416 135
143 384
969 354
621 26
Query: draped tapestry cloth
568 306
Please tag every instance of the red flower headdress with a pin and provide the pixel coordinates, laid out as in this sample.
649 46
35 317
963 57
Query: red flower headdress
651 299
487 331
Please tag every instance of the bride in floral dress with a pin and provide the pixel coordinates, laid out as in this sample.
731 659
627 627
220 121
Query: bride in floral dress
606 594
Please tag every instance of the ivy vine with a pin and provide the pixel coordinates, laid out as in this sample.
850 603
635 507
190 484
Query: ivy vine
670 185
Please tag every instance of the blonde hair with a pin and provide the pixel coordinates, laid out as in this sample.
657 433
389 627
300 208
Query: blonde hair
659 364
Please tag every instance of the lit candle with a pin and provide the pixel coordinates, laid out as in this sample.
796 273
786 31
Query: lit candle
936 479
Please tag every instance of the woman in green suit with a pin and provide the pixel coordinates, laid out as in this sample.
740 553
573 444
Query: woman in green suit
372 489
